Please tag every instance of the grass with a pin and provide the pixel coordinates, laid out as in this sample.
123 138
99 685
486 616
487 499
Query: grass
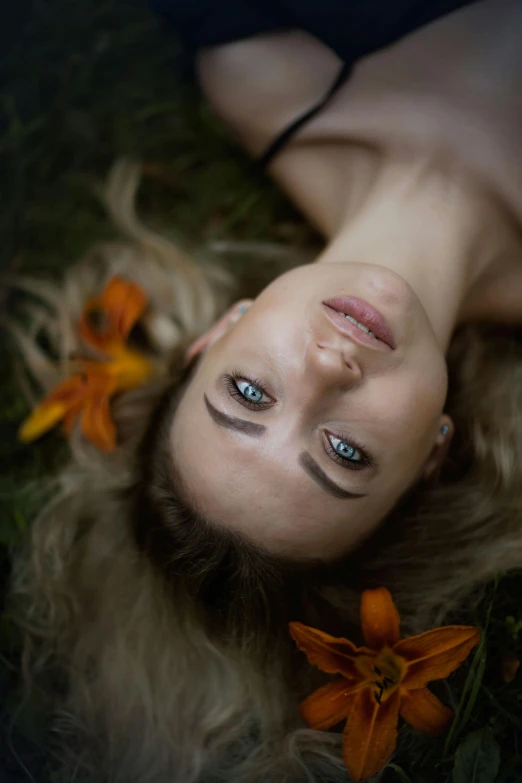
81 84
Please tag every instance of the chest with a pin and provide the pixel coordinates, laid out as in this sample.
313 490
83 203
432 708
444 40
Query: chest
450 94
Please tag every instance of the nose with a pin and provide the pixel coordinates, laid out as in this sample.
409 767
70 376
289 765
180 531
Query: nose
332 365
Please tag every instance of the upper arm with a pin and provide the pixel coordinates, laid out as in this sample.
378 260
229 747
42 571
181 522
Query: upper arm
258 86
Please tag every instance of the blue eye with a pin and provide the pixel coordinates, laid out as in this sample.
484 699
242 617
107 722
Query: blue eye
250 392
345 450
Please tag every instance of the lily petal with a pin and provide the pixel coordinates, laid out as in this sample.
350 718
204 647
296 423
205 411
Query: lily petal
433 655
42 419
70 417
122 303
97 425
52 409
424 711
329 705
379 618
127 368
370 734
328 653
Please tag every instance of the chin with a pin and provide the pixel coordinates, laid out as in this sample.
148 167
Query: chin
389 286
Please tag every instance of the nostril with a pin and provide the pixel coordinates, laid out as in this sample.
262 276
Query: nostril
352 366
337 359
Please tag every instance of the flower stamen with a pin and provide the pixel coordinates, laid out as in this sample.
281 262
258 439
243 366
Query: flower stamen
379 682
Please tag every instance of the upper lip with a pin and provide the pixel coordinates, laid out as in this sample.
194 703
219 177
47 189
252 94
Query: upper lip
365 314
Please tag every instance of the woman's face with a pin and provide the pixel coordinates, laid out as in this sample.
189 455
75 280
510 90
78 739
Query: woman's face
298 435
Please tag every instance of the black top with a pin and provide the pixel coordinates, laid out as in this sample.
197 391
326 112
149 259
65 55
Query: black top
351 28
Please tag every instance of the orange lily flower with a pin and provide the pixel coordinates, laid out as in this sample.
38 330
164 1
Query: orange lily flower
380 682
89 391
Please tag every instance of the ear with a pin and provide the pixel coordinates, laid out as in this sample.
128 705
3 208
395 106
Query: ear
221 327
440 449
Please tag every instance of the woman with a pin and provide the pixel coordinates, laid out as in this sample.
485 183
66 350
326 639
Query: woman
298 447
409 182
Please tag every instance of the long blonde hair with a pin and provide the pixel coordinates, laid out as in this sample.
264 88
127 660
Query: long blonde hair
169 638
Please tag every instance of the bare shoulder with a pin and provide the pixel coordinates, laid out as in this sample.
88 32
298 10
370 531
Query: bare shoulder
259 85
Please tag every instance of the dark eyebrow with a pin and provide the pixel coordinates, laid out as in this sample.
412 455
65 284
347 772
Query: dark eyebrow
315 472
233 423
306 460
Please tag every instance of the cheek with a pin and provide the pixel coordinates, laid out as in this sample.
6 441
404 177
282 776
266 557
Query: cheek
417 411
429 388
417 389
406 406
410 396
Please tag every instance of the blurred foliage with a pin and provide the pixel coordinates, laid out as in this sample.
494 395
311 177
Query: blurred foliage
82 83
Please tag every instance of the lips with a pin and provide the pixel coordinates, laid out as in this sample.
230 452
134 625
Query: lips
365 314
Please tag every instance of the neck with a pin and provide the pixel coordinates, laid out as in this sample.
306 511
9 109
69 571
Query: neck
428 229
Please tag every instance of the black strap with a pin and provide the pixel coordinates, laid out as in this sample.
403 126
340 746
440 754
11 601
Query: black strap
285 136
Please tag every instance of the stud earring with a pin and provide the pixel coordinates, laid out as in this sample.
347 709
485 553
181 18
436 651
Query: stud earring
444 429
243 309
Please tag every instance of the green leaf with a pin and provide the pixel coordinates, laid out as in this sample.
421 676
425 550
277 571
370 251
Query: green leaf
514 627
473 681
477 759
469 692
479 671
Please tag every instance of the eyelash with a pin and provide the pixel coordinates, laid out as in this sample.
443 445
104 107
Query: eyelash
230 381
364 462
233 390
